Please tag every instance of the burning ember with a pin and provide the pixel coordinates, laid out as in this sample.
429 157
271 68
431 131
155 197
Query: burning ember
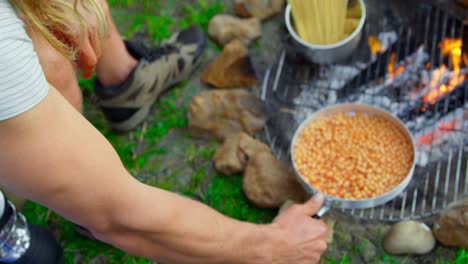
453 48
437 86
379 44
444 79
442 129
374 45
391 67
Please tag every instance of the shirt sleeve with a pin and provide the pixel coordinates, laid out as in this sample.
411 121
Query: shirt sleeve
22 81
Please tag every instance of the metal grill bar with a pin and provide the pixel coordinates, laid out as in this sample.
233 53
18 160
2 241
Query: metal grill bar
443 168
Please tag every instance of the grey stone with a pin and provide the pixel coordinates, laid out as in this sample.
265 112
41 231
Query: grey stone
409 237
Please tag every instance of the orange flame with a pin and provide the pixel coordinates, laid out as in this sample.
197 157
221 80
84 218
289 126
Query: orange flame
374 44
453 48
391 67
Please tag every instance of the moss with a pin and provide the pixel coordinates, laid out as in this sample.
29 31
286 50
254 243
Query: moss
225 195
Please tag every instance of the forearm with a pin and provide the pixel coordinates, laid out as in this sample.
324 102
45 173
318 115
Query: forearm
69 167
161 225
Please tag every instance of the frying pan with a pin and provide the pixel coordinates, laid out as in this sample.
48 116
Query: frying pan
336 202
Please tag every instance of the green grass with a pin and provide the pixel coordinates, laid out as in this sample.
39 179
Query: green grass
461 258
157 20
344 260
225 195
74 245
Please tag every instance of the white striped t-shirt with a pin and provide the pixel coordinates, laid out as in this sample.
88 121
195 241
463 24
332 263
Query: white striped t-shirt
22 81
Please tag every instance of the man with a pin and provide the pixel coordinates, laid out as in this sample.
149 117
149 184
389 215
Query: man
52 155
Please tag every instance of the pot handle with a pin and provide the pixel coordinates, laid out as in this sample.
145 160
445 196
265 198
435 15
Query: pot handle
325 208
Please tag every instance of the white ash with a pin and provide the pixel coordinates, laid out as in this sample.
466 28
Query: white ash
322 91
414 66
387 39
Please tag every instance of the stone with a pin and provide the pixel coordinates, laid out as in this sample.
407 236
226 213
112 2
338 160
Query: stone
451 227
225 28
232 69
269 182
262 9
409 237
232 156
218 114
368 251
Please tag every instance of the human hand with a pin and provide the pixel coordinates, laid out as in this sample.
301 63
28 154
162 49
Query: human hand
86 40
303 237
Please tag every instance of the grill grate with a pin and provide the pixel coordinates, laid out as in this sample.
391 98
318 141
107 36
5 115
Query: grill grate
292 89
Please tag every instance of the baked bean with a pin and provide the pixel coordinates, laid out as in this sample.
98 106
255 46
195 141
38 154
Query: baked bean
353 156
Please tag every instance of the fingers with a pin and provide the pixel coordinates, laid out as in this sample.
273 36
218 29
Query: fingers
314 204
95 43
87 59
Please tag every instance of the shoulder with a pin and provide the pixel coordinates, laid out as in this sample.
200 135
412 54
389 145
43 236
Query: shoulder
12 31
22 81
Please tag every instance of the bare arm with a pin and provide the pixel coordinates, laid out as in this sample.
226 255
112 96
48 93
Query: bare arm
52 155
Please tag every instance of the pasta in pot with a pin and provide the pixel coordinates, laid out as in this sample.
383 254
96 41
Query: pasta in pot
320 22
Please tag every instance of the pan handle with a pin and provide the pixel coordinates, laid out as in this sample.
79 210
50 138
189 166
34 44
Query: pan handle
325 208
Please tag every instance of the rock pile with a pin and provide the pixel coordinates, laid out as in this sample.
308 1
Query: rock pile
233 68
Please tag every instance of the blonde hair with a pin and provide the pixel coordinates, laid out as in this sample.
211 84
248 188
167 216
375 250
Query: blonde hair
54 19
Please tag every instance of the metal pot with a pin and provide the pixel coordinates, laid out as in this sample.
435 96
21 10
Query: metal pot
325 54
347 203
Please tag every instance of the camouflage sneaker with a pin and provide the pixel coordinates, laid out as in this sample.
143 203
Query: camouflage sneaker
127 105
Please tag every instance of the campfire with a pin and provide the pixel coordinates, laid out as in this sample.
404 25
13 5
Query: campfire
416 73
446 79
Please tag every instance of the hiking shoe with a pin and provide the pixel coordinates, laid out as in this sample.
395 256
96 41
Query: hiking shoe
127 105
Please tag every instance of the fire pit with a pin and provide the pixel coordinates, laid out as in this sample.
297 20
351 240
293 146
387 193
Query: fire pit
412 65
